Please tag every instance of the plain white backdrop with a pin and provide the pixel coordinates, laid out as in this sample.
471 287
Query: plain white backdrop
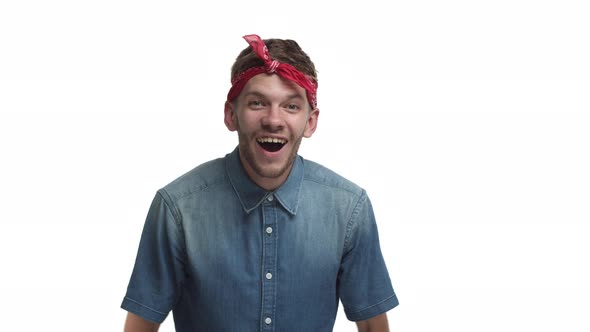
466 121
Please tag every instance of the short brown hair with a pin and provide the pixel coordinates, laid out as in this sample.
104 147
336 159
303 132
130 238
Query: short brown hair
282 50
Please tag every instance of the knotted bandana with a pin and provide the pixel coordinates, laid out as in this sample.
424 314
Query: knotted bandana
284 70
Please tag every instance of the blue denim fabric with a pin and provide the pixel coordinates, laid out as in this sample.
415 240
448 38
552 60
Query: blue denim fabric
225 255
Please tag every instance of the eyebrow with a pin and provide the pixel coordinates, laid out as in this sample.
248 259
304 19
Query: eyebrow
262 95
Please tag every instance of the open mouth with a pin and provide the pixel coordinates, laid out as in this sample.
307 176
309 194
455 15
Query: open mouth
271 144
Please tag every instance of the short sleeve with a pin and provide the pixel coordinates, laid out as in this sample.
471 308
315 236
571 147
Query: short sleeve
158 273
364 285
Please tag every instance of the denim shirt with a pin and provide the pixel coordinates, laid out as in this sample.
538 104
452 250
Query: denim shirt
223 254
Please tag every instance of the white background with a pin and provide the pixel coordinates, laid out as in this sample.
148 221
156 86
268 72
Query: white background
466 121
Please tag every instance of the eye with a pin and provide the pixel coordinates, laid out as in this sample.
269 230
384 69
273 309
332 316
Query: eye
256 104
292 107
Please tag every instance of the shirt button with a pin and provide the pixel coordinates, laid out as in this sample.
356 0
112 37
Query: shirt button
267 320
270 198
268 230
269 276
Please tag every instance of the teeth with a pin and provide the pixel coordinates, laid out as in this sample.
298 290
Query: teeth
271 140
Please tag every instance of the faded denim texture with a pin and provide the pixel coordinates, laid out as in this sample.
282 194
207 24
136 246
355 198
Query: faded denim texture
223 254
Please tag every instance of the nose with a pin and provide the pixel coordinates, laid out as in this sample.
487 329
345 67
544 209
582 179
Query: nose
272 119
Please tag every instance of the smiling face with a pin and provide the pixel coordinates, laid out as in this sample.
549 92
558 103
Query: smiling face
271 116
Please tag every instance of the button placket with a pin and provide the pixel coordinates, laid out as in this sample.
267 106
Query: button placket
269 262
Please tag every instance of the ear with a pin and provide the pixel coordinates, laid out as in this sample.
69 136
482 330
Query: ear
312 123
229 116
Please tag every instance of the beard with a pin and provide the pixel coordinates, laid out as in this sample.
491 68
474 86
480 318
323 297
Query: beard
270 171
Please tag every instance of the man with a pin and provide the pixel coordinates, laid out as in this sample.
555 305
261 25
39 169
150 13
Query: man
262 239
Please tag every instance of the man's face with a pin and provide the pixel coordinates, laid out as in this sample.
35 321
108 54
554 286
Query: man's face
271 116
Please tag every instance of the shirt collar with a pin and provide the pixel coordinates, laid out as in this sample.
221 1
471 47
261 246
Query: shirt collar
251 195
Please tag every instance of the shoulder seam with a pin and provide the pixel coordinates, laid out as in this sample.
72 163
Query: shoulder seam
335 187
171 206
203 187
351 221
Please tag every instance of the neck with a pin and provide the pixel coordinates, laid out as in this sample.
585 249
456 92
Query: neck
268 183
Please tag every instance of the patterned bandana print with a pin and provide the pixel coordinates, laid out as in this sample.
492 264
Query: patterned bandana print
284 70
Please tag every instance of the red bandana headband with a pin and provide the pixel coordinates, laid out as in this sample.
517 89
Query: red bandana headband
284 70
